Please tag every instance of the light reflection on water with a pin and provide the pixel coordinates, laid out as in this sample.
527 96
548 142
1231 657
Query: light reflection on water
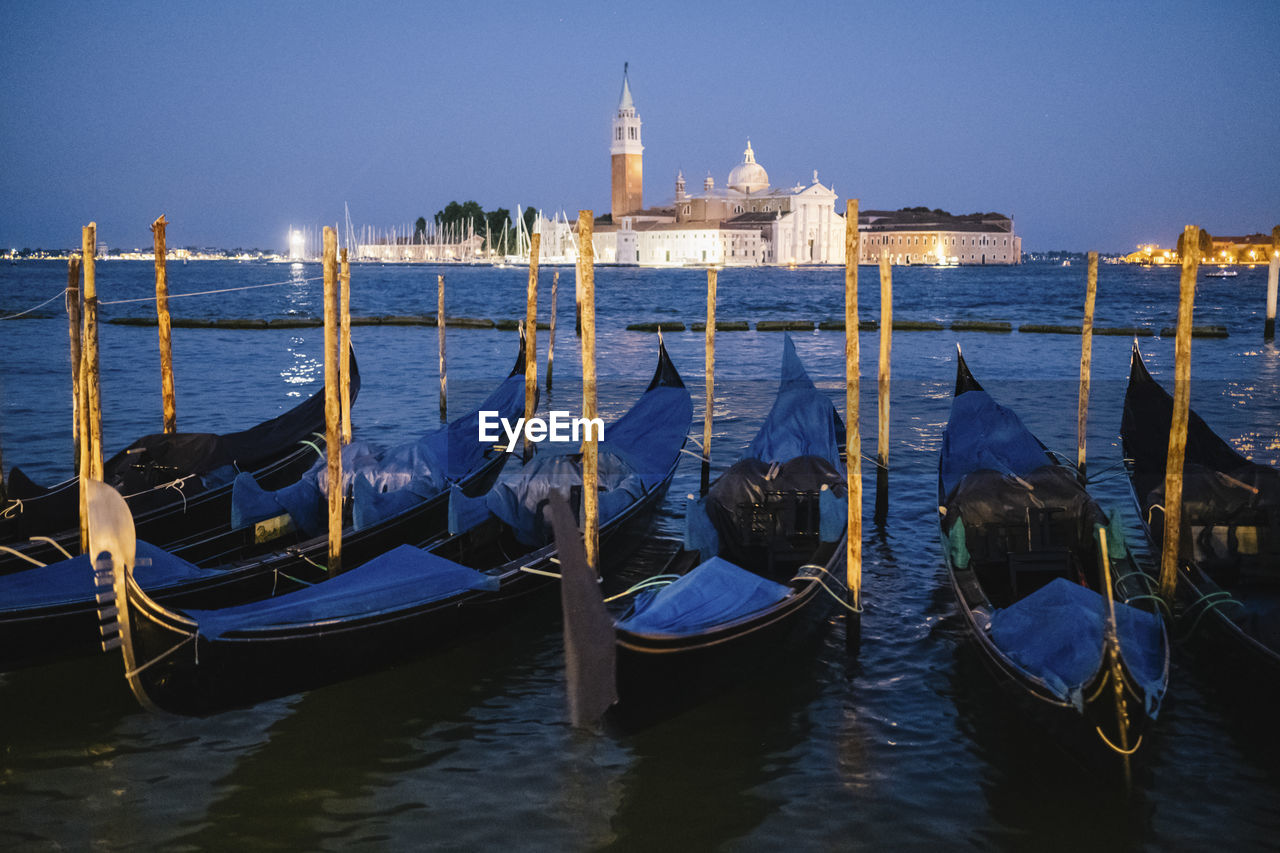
909 744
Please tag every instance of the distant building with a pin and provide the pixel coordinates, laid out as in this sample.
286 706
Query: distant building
747 222
921 236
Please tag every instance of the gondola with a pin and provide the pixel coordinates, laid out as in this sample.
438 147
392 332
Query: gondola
1022 544
405 602
51 612
176 485
762 567
1229 549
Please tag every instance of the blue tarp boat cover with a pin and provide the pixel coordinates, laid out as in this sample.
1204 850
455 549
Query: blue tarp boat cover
402 578
714 593
71 581
638 451
983 435
802 422
1056 634
382 482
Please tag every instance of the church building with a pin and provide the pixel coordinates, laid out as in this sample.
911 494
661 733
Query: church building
748 222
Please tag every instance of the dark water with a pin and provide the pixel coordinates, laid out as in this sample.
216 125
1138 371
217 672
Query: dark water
907 746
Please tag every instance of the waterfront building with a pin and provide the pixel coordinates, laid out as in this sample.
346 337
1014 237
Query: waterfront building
917 235
748 222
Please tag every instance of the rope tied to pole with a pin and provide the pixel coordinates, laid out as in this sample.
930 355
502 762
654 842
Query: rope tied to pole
58 295
310 280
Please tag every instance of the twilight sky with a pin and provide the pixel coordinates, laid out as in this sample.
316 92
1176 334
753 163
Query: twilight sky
1096 125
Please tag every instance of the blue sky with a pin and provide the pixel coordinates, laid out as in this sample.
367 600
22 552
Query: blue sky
1095 125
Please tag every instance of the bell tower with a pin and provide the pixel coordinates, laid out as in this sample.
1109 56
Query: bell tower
626 152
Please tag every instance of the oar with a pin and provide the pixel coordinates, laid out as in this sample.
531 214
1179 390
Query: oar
590 656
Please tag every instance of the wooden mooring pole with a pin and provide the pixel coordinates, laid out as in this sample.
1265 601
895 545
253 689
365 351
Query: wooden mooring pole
590 459
853 435
531 341
551 333
1273 279
91 444
1169 556
166 332
444 379
344 365
76 329
711 379
332 400
1086 364
882 390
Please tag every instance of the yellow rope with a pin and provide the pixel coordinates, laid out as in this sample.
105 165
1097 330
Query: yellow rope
30 560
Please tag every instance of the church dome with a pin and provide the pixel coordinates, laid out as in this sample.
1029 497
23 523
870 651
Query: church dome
748 176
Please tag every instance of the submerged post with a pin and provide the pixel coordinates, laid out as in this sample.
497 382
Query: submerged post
344 346
1178 425
882 390
1086 362
590 460
1273 279
444 380
166 331
74 327
332 404
531 340
853 436
711 379
551 333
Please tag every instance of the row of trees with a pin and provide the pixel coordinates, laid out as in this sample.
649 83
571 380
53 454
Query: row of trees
469 216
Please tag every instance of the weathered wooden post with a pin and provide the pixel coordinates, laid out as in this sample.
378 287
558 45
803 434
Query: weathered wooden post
1273 279
1169 557
882 390
332 402
711 379
853 436
166 331
590 459
77 334
531 340
91 441
1086 362
344 366
551 334
444 379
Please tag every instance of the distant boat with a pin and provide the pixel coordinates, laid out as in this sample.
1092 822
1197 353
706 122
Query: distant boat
1222 272
1066 263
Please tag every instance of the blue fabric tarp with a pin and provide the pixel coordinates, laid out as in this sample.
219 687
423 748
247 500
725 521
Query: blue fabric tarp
983 435
714 593
401 578
638 450
417 470
71 581
1056 634
802 421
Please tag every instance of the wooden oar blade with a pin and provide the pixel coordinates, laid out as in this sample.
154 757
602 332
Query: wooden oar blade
589 652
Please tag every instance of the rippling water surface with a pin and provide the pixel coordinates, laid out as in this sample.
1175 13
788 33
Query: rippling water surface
906 745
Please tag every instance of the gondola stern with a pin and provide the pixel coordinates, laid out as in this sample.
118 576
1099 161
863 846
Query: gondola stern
666 375
965 380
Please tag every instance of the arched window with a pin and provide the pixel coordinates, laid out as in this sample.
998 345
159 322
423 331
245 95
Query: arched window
737 208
